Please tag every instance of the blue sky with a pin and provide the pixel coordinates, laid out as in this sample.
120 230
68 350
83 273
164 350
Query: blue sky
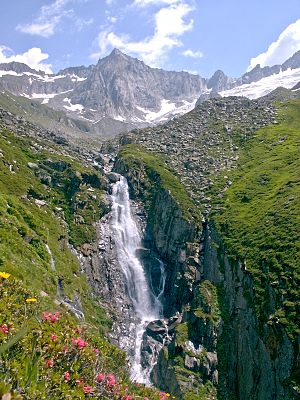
200 36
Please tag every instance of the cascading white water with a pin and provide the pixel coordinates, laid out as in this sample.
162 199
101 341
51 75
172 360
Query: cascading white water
147 306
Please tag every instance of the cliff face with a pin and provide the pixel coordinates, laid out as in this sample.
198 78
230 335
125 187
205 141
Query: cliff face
183 345
211 341
168 234
256 359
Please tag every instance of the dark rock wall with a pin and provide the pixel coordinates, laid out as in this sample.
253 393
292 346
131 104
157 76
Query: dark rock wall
257 358
227 347
170 236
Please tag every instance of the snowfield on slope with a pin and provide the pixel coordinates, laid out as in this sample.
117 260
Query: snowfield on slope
254 90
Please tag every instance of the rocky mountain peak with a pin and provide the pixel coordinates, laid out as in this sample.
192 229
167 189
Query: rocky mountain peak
219 81
17 67
116 57
117 53
292 62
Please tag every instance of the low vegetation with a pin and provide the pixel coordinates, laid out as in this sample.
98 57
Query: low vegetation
260 219
47 354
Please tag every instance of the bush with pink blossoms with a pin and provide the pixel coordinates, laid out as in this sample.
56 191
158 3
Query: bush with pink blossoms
43 356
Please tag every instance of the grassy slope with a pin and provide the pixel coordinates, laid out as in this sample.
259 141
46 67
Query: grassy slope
28 343
261 215
25 228
135 156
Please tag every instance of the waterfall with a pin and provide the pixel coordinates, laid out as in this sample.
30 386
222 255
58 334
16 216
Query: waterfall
147 305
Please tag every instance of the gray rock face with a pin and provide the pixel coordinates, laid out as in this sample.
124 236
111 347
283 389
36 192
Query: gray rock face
259 359
119 88
219 82
121 92
292 62
113 177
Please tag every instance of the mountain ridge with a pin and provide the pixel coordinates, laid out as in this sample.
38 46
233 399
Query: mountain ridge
130 93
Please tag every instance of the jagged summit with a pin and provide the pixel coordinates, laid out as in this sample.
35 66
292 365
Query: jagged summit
17 67
129 93
115 55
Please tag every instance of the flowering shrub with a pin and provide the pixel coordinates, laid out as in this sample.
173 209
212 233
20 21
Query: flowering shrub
43 356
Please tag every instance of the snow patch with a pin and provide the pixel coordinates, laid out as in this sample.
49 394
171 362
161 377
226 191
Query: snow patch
44 78
119 118
45 96
76 78
167 109
13 73
73 107
254 90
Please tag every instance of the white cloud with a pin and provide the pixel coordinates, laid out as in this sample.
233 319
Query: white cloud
112 20
33 57
279 51
50 17
192 53
144 3
170 25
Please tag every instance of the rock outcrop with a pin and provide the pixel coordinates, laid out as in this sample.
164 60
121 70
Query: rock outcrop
212 341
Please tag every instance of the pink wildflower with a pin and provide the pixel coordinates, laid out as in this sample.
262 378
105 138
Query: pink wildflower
48 316
96 351
54 337
127 397
55 317
67 376
4 328
79 382
80 343
65 349
111 380
100 377
87 389
49 363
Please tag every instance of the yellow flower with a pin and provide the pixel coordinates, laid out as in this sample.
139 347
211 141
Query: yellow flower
31 300
4 275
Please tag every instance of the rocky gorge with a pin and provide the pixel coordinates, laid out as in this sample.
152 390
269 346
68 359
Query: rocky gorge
229 323
212 336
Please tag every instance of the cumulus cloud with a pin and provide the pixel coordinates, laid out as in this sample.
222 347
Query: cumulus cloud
192 53
49 18
33 57
170 25
279 51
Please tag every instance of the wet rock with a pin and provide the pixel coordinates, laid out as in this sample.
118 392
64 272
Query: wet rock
113 177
